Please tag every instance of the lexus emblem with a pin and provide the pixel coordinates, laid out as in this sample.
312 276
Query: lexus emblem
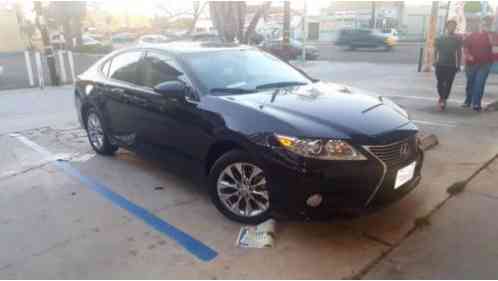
404 151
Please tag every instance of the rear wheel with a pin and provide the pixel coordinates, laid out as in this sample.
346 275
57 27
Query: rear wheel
96 134
238 188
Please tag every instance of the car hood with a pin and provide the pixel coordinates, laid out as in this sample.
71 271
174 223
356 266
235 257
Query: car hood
326 110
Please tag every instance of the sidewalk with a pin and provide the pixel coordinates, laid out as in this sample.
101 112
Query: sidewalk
459 242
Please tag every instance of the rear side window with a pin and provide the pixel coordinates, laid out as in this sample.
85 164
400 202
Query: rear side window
124 67
158 68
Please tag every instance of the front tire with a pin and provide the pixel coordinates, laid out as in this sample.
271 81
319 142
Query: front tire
238 188
96 134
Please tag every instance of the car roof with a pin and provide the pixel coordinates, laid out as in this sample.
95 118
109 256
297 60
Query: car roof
187 47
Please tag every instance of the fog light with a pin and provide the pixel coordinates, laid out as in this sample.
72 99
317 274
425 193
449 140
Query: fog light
314 200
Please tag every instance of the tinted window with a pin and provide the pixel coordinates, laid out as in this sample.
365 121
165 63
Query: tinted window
159 68
124 67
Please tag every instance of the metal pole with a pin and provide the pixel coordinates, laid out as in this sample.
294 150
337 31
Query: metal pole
39 68
447 15
286 30
49 53
374 18
71 65
305 34
62 65
29 67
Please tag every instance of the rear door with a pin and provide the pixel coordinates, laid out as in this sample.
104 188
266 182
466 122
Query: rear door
123 83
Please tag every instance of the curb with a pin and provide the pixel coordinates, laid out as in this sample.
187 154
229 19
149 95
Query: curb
427 141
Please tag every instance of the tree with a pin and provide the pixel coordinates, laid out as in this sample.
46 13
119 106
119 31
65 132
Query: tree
69 15
229 17
168 17
431 38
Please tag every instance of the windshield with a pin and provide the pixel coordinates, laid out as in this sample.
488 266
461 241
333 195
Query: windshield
242 69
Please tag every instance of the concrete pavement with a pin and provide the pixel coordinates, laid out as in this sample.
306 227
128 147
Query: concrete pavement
458 243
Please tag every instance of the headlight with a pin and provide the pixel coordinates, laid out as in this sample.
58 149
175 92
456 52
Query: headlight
320 149
394 106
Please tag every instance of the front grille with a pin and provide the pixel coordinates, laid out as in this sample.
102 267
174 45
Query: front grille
396 154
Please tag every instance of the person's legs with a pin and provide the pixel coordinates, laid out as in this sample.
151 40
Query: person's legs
440 80
479 85
470 72
451 77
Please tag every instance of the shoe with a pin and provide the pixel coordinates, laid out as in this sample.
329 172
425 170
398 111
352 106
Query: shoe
465 105
477 108
440 105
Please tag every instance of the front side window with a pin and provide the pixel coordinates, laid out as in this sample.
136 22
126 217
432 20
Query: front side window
159 68
242 69
124 67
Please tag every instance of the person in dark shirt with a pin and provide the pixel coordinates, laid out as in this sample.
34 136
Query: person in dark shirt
448 53
478 60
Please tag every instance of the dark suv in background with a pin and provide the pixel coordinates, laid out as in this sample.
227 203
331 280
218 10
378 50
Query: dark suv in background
365 38
292 51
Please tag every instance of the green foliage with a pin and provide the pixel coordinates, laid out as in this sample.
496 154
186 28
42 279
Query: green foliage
472 7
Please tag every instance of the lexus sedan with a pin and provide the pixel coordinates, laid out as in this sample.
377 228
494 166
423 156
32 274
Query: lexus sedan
260 133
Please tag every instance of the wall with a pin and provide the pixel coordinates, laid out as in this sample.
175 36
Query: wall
10 36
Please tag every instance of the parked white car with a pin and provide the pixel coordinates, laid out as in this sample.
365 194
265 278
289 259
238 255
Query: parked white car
1 71
153 39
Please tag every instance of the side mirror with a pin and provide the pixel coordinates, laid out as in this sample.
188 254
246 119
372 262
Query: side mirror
173 89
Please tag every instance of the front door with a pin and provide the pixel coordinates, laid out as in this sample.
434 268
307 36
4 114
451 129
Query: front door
169 125
122 85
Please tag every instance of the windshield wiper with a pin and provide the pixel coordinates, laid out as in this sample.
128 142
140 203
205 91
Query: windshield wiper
281 84
232 90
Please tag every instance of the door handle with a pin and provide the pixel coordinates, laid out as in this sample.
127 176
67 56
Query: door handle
139 100
117 91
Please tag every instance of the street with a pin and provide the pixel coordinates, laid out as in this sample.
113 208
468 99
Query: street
70 214
403 53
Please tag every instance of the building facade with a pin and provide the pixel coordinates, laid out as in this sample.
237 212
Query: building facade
11 37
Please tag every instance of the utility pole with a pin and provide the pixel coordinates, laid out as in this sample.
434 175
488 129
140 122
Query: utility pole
49 52
373 21
447 14
286 29
430 38
305 23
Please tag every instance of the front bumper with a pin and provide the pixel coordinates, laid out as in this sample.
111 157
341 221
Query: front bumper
345 187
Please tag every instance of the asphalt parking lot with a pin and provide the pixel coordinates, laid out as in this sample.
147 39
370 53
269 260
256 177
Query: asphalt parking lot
68 213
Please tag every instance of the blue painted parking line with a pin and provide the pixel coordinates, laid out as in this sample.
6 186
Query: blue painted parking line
192 245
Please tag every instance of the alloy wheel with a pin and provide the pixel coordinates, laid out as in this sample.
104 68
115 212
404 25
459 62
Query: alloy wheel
95 131
242 189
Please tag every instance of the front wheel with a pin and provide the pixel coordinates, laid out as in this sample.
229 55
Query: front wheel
96 134
238 188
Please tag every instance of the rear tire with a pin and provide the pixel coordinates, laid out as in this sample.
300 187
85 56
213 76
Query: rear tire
96 134
240 196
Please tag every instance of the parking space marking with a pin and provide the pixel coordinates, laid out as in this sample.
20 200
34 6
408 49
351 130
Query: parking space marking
192 245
